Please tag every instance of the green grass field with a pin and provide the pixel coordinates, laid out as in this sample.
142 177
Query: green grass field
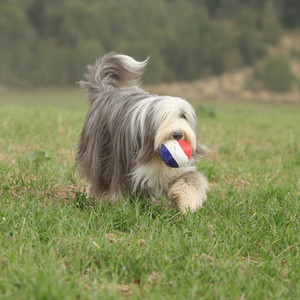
57 244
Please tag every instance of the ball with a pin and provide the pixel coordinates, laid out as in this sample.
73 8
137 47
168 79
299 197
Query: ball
175 154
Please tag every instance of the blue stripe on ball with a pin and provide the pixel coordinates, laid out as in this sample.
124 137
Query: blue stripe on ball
167 157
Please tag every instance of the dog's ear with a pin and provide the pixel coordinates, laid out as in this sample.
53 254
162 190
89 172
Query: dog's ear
146 152
146 139
201 151
145 155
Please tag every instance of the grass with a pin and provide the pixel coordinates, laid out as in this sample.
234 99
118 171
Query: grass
57 244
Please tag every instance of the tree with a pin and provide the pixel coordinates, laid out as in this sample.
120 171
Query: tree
277 74
15 39
270 23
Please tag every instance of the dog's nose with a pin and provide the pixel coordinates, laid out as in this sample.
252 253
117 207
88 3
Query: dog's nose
177 135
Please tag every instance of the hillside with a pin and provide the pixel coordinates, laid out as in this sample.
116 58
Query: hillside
243 83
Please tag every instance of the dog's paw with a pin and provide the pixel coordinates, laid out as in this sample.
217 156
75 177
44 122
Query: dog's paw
188 192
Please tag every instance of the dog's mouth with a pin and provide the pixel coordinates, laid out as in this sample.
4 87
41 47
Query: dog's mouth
179 135
175 134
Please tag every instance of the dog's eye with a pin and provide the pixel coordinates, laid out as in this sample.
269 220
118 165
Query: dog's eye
183 116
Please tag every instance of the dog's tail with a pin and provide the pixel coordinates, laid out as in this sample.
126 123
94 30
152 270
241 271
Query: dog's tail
112 71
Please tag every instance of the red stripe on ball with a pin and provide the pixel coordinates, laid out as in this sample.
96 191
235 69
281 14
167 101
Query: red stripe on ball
185 146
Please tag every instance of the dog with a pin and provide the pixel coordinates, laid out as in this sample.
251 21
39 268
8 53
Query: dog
118 148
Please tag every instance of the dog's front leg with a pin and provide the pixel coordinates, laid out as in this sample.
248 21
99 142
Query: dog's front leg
188 191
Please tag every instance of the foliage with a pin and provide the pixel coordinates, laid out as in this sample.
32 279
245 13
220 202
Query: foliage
58 244
251 46
277 74
289 12
38 157
270 23
51 42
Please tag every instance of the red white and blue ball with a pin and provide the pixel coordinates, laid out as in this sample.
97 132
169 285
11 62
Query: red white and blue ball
175 154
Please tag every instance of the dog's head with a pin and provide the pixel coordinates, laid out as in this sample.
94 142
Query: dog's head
176 120
171 119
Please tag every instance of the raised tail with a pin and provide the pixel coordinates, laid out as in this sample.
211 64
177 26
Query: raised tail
112 71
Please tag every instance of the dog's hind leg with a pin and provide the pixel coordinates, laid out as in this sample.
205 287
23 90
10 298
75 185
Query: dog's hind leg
112 197
188 191
101 193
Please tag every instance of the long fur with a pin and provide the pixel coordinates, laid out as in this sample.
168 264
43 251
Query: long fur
122 133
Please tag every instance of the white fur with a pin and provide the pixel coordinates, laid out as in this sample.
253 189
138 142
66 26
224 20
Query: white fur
131 64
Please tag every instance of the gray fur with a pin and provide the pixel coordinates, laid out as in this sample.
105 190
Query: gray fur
118 136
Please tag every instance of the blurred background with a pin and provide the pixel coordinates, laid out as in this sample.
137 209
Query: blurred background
210 49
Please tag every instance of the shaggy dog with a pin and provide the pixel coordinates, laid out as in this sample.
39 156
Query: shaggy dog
122 134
